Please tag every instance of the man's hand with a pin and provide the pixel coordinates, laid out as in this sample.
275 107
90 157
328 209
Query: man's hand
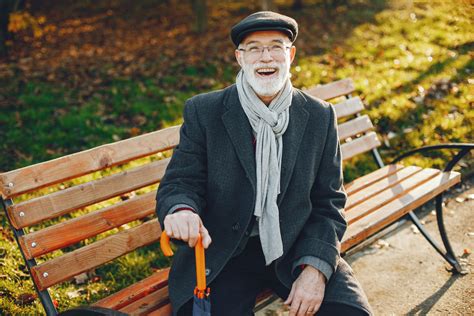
186 226
306 293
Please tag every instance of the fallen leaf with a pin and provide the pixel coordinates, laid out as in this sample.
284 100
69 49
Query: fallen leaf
466 251
25 298
81 278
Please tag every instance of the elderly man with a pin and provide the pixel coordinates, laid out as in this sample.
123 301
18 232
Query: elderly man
258 174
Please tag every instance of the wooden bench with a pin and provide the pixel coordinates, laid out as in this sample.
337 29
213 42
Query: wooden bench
375 201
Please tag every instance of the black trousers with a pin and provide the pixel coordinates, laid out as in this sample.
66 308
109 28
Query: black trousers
235 289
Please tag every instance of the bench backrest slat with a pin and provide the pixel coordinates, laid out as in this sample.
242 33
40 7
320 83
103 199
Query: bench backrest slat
65 201
86 226
348 107
359 145
75 165
354 127
93 255
332 90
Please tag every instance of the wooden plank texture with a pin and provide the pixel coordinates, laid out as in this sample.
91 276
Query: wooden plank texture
353 127
74 230
135 291
348 107
62 202
332 90
359 145
392 211
381 185
36 176
162 311
83 259
148 303
388 195
368 179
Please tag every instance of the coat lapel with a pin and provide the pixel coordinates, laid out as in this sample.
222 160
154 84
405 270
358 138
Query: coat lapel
292 140
240 133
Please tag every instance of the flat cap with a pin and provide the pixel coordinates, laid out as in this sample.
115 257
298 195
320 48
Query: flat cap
264 21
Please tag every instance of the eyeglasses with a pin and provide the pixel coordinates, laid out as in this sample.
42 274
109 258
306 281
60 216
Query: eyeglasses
254 52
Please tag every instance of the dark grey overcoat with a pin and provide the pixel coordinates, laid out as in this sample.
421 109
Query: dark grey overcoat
213 170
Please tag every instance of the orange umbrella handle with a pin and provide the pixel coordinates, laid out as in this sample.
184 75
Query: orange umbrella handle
200 258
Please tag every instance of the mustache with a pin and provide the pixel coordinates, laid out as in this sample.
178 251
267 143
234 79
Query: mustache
277 66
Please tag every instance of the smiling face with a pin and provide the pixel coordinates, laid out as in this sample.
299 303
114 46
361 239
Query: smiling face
266 71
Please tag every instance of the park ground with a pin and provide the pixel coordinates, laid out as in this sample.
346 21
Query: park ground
88 74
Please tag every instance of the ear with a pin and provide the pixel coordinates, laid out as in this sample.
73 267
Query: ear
292 53
238 56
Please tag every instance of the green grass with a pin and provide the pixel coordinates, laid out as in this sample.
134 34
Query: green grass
412 66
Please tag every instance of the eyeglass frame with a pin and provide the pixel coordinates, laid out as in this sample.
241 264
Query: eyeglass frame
263 47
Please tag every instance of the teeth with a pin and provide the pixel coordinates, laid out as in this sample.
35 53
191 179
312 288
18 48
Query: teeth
266 70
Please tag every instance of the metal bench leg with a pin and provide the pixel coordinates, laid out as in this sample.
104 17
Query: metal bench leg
44 296
449 255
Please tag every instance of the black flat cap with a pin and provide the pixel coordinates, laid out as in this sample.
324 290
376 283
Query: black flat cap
264 21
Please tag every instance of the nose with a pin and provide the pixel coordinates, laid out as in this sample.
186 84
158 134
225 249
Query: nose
266 56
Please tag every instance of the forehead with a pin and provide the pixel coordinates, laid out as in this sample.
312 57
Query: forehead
266 36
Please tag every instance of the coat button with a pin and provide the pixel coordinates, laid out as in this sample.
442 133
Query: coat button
247 233
236 227
208 271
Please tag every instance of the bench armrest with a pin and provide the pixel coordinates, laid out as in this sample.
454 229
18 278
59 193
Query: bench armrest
464 148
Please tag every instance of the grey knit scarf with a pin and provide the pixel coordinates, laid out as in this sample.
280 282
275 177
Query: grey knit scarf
268 125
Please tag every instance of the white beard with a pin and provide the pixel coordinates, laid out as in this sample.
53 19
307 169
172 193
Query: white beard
265 86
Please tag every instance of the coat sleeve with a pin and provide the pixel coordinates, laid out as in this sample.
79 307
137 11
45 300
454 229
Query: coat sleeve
323 231
185 179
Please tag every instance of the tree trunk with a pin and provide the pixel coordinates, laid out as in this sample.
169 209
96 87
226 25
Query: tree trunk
267 5
297 4
200 8
5 9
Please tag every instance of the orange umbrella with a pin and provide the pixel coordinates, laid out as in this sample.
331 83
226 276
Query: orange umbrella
202 302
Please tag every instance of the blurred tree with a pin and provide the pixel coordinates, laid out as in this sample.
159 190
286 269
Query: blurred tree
200 7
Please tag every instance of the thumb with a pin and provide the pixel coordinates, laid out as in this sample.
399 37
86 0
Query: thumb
290 297
206 238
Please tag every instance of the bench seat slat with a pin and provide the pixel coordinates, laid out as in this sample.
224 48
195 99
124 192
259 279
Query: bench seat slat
88 257
89 225
37 176
148 303
332 90
379 186
62 202
162 311
388 195
135 291
356 126
348 107
392 211
368 179
359 145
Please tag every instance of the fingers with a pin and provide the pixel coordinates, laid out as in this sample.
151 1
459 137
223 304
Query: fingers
186 226
193 233
295 306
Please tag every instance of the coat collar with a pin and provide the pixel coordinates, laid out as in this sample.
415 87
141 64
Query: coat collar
240 133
